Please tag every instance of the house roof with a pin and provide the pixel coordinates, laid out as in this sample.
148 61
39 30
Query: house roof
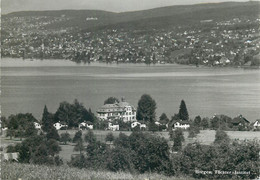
182 122
240 119
117 107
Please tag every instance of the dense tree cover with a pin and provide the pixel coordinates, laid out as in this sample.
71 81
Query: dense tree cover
21 125
139 152
146 108
237 156
220 121
39 150
111 100
73 114
183 112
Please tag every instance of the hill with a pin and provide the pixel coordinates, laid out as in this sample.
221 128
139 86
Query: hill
145 19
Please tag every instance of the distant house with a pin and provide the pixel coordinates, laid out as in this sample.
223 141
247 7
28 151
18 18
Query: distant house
240 121
86 125
224 61
122 110
58 126
37 126
113 127
157 123
135 124
181 124
256 124
10 156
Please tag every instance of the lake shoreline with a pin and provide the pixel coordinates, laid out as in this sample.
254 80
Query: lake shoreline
34 63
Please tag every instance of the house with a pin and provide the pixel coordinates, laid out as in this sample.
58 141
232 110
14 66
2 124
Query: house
86 125
122 110
37 126
10 156
224 61
113 127
256 124
181 124
157 123
58 126
240 121
134 124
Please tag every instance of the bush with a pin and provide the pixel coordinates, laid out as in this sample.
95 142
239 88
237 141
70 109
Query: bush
65 137
110 137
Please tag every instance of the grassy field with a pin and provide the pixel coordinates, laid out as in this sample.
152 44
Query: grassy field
15 171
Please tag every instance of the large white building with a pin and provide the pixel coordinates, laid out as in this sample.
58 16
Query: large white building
122 110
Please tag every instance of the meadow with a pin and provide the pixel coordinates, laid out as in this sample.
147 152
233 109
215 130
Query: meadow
16 171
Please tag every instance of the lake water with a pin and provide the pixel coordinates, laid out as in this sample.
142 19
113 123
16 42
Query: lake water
28 85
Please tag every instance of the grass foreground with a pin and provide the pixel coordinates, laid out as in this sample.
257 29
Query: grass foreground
16 171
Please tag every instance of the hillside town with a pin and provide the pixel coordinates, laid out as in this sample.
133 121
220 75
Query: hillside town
235 42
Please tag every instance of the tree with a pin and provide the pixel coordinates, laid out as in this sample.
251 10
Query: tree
197 121
47 119
21 125
163 119
77 137
150 153
90 137
177 137
183 112
111 100
146 108
110 137
221 137
73 114
65 137
30 130
79 146
205 123
53 134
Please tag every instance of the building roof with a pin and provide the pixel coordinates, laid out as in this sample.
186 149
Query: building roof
239 119
116 107
182 122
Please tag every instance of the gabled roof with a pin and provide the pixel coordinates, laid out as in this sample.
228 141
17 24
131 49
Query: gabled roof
240 119
182 122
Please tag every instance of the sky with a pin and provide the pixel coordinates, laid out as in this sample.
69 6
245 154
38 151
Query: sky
108 5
